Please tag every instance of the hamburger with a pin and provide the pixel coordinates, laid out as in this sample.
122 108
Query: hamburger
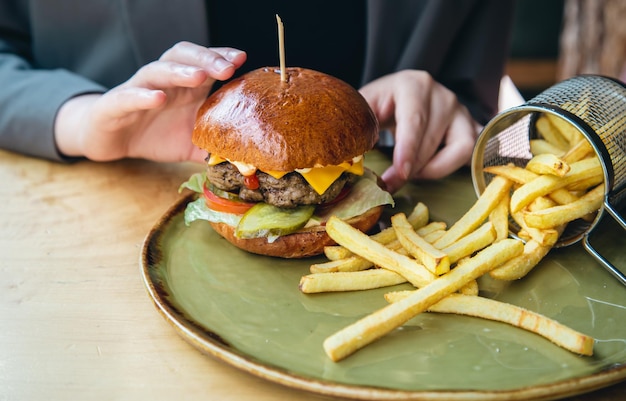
283 156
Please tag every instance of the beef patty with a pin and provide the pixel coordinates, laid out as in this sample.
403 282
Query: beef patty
289 191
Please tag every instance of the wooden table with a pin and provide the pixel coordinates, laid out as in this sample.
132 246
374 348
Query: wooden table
76 321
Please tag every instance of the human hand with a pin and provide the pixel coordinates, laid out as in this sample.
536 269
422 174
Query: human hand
151 115
434 133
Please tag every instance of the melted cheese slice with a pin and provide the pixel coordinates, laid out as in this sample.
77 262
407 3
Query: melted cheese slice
320 178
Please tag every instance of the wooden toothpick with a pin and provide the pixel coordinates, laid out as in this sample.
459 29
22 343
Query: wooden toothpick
281 49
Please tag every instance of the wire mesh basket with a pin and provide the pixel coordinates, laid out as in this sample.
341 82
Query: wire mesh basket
591 106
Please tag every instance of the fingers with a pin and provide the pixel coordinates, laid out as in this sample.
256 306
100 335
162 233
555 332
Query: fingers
197 155
118 103
393 179
219 62
416 132
434 133
423 115
452 152
456 150
189 66
152 114
168 74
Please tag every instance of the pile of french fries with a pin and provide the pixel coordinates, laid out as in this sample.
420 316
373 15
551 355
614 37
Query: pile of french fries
562 182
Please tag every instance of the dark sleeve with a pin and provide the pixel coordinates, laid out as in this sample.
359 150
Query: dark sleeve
463 44
29 97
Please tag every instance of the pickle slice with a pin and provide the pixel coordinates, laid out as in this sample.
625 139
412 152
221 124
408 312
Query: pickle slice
221 193
263 220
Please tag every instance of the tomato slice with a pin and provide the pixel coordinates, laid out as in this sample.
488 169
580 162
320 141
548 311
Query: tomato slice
341 196
220 204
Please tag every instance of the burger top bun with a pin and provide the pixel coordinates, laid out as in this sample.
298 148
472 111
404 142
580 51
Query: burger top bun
311 120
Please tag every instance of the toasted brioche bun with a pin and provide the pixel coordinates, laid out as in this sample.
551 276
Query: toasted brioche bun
311 120
304 243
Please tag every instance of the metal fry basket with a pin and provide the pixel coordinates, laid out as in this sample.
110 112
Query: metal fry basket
591 105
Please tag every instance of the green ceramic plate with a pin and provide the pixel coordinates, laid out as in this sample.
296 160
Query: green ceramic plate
247 311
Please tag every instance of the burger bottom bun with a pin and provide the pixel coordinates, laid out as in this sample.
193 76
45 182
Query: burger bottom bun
301 244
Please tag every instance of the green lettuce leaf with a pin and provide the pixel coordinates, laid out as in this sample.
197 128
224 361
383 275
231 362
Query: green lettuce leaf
194 183
198 210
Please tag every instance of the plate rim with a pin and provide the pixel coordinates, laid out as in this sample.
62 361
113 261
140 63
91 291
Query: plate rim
208 343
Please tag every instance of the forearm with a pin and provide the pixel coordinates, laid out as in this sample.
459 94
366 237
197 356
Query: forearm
29 103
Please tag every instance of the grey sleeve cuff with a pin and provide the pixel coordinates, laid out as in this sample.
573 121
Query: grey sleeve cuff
29 103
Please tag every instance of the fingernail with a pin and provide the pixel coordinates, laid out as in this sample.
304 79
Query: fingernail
151 94
392 182
221 64
406 170
233 53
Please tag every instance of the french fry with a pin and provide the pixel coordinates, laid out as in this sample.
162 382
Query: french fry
360 244
432 231
472 242
579 151
431 227
541 146
349 281
558 215
586 183
563 196
547 163
490 309
336 252
521 176
540 203
434 236
544 184
542 236
471 288
374 326
479 211
512 172
434 259
521 265
395 296
550 133
418 218
385 236
499 217
524 235
350 264
569 131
